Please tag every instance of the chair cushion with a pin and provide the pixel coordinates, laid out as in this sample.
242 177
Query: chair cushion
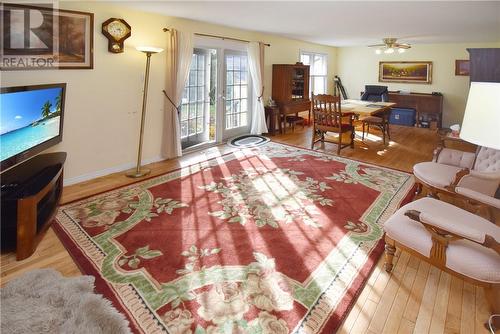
457 158
294 119
372 119
343 127
435 174
462 256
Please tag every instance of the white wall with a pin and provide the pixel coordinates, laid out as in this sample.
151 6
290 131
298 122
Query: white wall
358 66
102 113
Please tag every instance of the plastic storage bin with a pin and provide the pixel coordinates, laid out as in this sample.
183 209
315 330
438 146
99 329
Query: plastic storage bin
403 116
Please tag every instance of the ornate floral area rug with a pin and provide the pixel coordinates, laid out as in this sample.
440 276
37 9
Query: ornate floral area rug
267 240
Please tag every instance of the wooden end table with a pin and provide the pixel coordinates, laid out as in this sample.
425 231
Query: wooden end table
273 115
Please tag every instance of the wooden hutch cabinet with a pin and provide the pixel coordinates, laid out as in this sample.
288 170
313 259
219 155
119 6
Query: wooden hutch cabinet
291 88
485 64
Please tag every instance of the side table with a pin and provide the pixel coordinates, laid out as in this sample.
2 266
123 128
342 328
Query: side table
272 117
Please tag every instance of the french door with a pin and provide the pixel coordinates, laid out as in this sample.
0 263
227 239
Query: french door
236 94
216 103
197 110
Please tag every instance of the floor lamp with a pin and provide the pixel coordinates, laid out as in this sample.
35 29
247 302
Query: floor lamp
138 171
482 115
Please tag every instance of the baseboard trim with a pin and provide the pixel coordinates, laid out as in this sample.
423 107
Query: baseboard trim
116 169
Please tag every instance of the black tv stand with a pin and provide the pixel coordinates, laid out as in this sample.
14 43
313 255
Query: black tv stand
30 194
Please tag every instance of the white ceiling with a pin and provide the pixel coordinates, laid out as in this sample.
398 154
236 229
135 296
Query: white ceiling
346 23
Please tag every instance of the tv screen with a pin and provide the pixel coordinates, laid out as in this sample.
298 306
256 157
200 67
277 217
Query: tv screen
31 120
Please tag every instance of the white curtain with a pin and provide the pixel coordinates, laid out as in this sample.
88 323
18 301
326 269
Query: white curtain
256 64
179 55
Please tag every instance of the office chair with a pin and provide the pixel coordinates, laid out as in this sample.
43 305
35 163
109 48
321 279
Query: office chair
375 93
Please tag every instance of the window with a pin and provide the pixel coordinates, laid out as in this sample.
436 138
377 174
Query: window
317 72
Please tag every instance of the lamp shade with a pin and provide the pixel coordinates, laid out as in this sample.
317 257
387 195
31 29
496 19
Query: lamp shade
149 49
481 124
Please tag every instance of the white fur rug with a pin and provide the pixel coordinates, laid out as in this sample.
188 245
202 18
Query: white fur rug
42 301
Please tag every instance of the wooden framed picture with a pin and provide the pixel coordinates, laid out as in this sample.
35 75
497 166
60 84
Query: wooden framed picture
45 38
405 71
462 67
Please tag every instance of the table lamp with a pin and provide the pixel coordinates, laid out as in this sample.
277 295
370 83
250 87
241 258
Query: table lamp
481 124
138 171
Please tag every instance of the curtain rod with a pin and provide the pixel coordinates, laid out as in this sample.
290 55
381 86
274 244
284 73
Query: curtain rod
221 37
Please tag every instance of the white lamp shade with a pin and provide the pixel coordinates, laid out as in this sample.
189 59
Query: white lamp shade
149 49
481 124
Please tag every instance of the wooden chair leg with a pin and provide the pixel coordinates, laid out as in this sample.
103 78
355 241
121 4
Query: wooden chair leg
383 133
492 294
313 137
390 250
363 135
418 189
388 132
353 135
339 147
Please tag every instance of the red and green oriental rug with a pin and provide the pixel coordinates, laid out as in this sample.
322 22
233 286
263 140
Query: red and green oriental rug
274 239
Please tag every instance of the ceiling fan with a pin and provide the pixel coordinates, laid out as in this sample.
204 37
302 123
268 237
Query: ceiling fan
390 45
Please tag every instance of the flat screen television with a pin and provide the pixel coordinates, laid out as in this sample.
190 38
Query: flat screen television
31 120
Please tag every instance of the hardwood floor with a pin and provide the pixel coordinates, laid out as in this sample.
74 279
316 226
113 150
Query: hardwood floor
415 298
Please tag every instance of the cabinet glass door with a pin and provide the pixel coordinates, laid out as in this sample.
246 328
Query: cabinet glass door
298 84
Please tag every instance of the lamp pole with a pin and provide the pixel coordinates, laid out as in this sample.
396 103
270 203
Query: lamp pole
138 171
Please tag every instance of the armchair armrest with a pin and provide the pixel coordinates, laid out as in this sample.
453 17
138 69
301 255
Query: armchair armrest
444 230
479 197
486 175
484 183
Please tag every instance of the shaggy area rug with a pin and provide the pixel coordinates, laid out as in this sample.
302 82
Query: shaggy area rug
271 240
42 301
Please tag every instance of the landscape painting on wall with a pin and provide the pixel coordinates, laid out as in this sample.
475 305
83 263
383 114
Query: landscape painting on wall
405 71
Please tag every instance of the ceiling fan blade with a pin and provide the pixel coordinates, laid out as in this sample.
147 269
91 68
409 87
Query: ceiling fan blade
374 45
402 45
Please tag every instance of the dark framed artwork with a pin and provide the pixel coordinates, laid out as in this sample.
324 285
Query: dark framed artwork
45 38
462 67
405 71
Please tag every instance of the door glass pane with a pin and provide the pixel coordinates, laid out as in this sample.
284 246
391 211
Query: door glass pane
236 91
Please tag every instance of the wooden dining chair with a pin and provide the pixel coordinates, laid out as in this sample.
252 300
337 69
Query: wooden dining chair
328 117
380 120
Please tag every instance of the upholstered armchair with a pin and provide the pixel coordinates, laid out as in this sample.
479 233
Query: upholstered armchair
474 177
454 240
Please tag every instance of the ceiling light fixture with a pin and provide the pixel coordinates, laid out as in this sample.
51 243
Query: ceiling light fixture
390 45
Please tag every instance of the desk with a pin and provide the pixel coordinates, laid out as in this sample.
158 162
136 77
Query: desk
364 108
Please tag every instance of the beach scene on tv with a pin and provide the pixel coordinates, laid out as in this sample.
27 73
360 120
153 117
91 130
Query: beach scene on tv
28 118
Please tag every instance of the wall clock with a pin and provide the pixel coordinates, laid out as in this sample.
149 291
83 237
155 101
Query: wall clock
117 31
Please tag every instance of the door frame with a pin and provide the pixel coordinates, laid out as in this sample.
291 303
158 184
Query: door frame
221 46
